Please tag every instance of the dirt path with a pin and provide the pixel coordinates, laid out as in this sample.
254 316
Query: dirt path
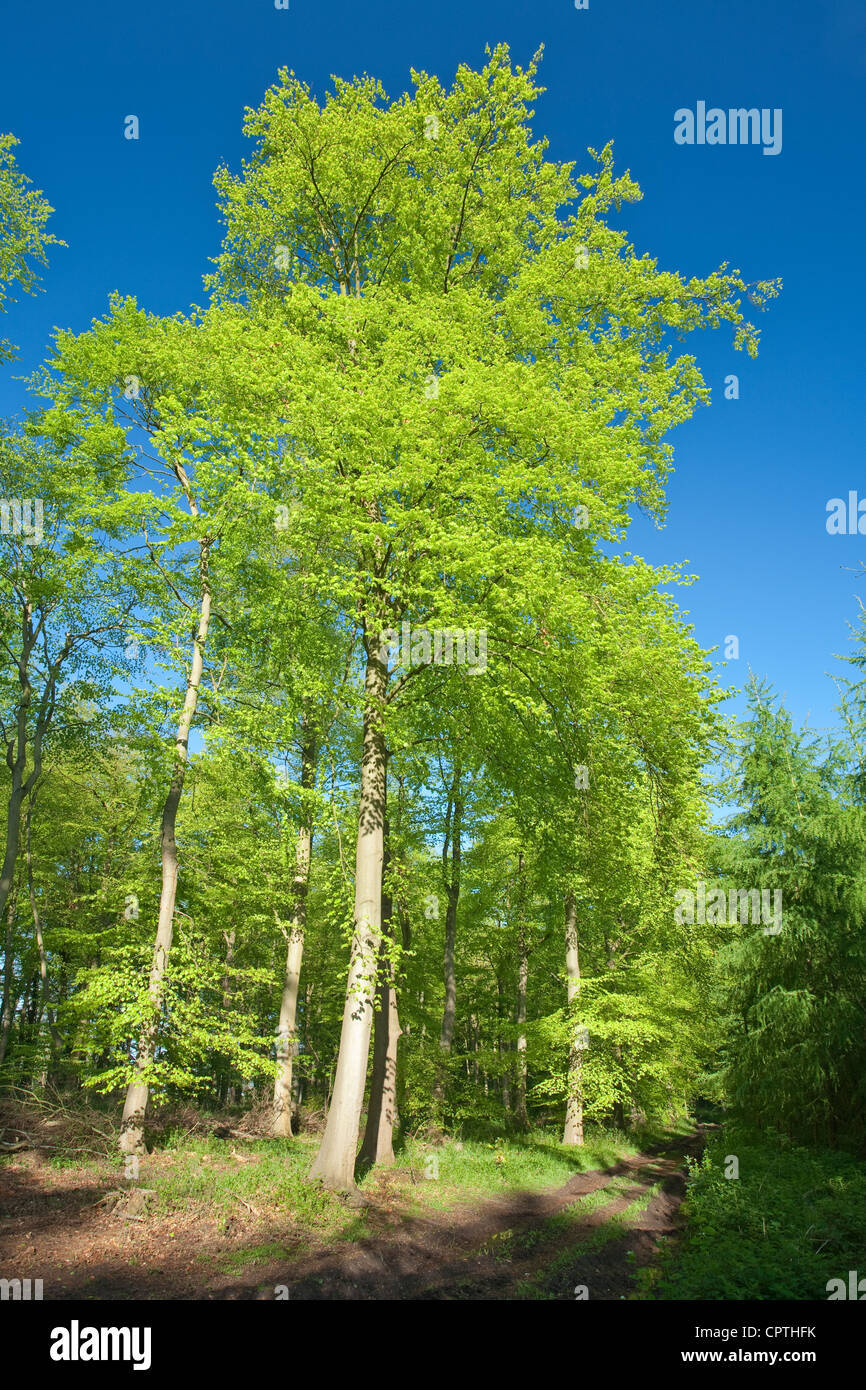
590 1234
524 1245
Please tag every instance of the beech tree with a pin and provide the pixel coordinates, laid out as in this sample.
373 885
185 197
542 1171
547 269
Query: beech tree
134 371
469 363
366 513
64 609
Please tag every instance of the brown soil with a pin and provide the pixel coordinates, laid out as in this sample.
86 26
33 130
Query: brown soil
58 1224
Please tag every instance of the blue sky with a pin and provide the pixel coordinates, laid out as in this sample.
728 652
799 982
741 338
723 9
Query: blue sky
753 476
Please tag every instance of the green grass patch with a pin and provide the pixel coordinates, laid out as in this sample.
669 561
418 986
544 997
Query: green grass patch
203 1173
255 1255
455 1170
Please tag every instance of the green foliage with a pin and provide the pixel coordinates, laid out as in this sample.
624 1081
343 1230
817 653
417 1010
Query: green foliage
793 1056
23 238
792 1220
427 347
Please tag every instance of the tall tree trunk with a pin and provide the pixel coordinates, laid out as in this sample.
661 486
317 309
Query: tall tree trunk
474 1036
451 880
502 1048
16 761
224 1088
287 1030
312 1066
8 1006
22 781
132 1124
281 1125
378 1144
13 833
522 981
618 1113
335 1162
573 1133
54 1036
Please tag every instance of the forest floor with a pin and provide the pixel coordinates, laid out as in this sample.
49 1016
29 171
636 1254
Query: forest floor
225 1219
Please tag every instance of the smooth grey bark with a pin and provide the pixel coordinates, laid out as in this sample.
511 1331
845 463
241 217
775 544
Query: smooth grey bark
378 1143
501 1046
451 881
225 1088
281 1124
9 996
522 982
40 943
573 1133
287 1029
132 1123
334 1164
618 1111
452 889
313 1061
474 1043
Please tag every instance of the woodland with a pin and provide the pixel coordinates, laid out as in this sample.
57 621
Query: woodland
355 767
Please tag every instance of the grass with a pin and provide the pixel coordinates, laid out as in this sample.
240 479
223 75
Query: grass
268 1252
459 1170
270 1175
